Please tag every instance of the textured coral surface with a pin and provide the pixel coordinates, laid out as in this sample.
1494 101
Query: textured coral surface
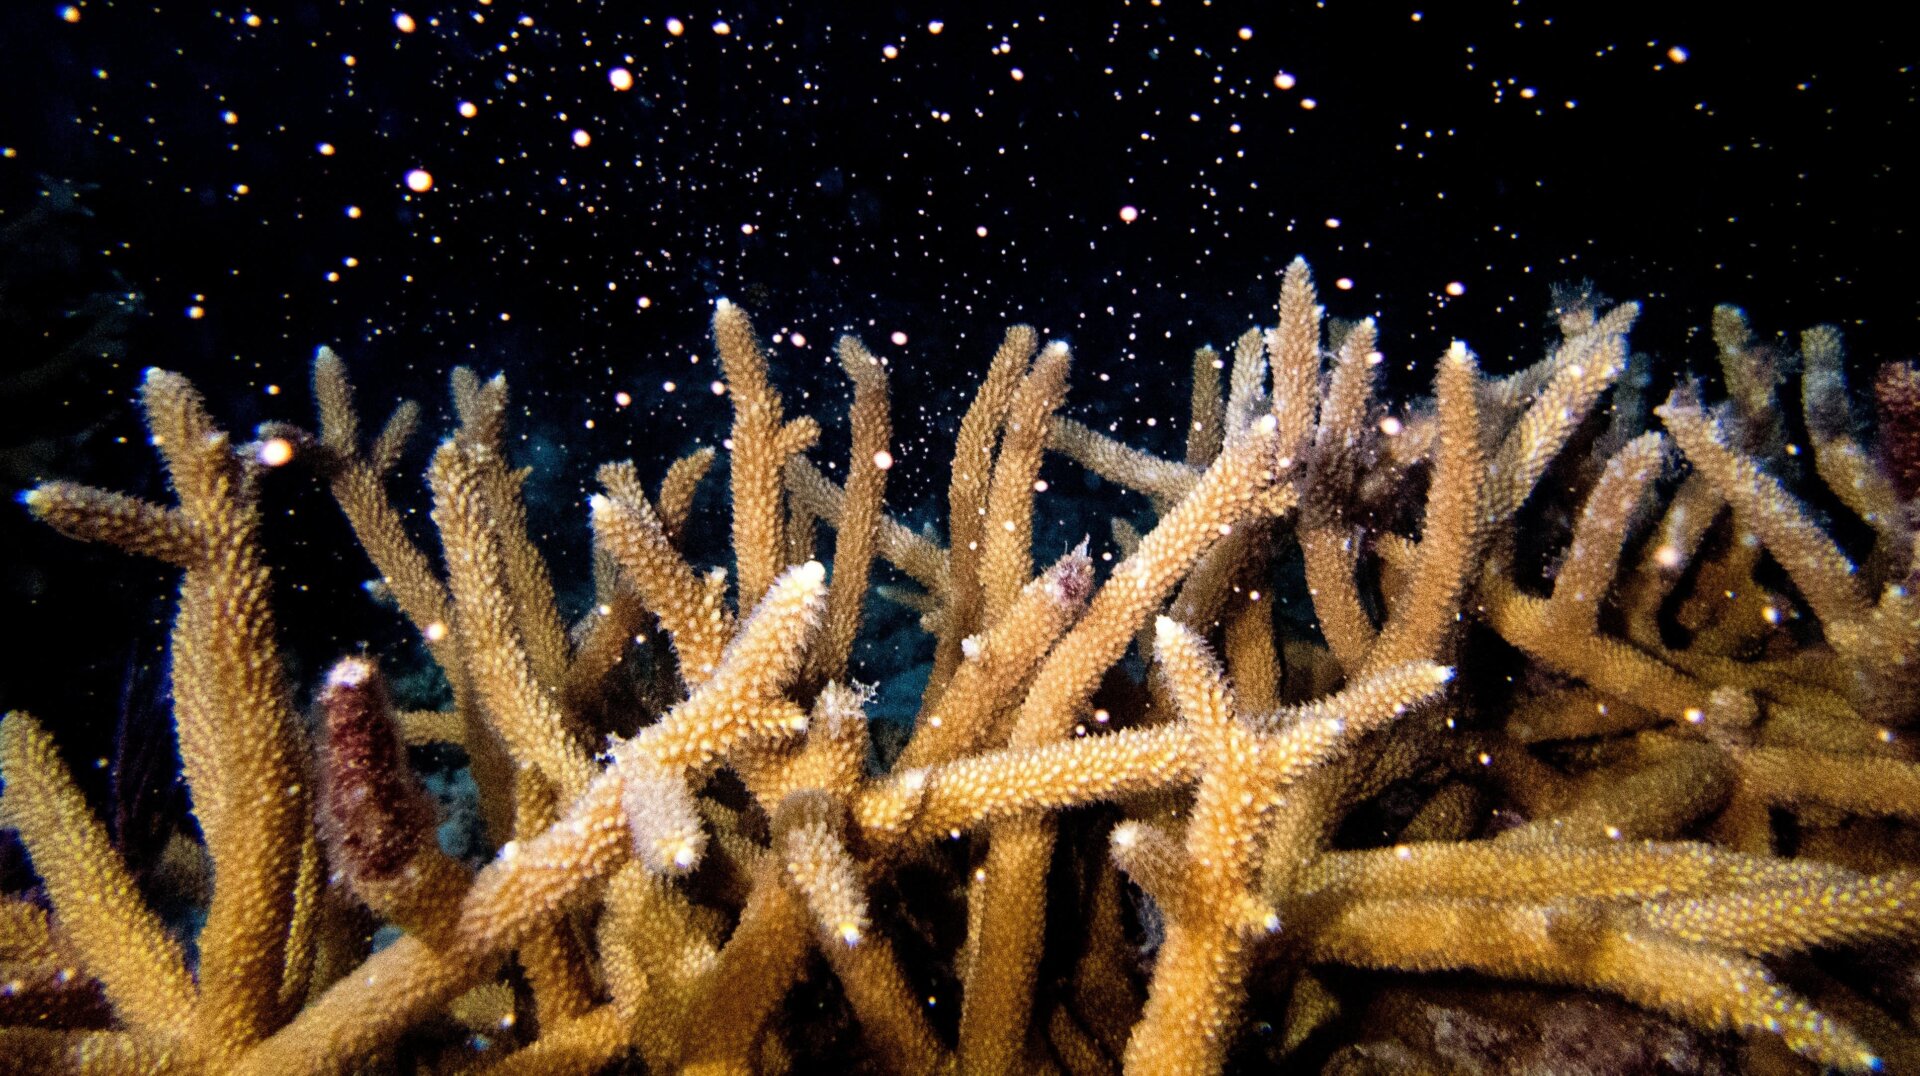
1521 726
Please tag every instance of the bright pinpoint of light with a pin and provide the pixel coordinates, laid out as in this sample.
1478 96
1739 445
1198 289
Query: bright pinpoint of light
899 338
275 452
1129 214
419 181
1284 81
676 27
621 78
582 139
1456 289
1678 54
403 22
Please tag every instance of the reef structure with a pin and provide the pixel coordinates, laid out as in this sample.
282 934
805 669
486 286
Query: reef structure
1688 787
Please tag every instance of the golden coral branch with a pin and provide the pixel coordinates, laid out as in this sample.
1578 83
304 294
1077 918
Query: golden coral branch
858 527
1819 569
102 916
759 525
690 607
1571 944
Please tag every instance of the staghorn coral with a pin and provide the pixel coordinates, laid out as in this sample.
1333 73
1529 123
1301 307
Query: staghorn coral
1694 797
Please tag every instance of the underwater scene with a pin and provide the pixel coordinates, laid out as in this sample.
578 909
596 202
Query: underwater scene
1144 536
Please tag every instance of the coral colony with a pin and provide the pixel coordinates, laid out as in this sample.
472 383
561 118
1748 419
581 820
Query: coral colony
1140 823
